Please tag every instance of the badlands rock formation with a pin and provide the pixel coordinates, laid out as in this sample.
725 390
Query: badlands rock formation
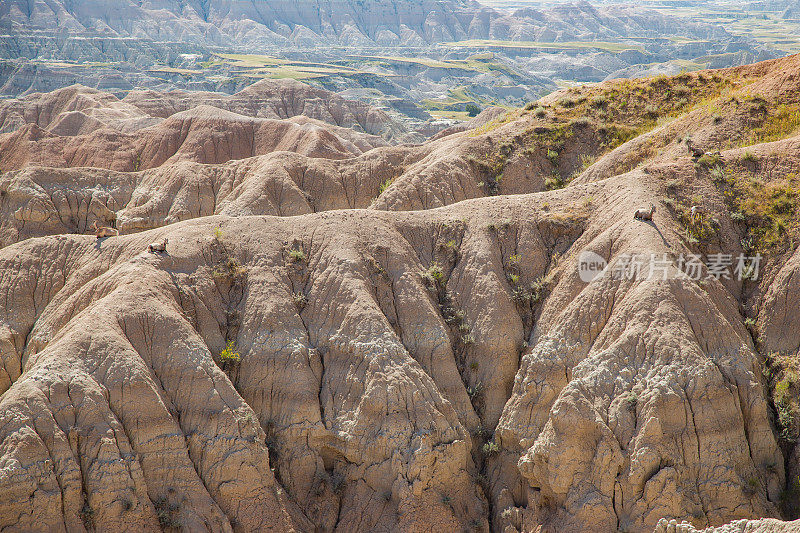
77 109
326 22
398 338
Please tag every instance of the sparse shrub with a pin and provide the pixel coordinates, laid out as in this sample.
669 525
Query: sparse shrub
540 112
709 160
87 515
598 101
491 448
790 497
434 276
446 499
768 208
632 401
473 366
717 174
297 255
651 110
530 106
751 486
300 300
472 110
538 288
229 269
506 514
468 339
338 482
786 394
453 316
580 122
218 234
552 156
749 157
681 90
475 391
230 357
554 182
566 102
166 513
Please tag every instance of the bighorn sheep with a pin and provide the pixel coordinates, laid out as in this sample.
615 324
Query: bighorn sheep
644 213
695 151
160 246
104 231
697 212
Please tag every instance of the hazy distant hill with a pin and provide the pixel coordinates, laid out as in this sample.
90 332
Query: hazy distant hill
349 23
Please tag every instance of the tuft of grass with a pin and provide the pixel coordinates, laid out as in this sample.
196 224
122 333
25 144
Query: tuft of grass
385 185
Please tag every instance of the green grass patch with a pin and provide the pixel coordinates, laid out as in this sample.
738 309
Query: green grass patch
768 208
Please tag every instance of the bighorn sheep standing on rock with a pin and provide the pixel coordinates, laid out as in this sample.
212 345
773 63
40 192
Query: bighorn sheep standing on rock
104 231
160 246
644 213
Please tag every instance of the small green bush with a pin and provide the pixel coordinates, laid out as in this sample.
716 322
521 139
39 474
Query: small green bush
297 255
385 185
709 160
230 356
491 448
434 275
